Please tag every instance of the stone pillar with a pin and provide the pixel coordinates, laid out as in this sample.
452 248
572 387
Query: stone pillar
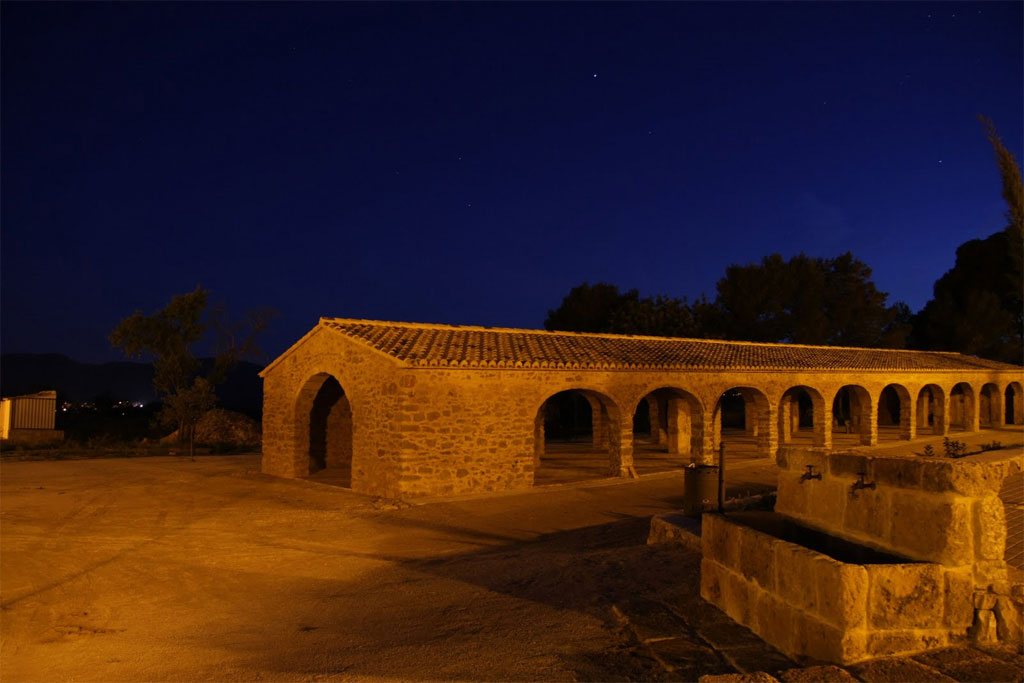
908 418
972 416
823 423
599 424
785 420
750 421
710 434
1018 408
678 426
620 449
655 411
869 422
940 412
768 434
538 439
997 409
794 416
923 408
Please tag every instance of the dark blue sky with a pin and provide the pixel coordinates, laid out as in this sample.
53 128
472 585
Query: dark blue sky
470 163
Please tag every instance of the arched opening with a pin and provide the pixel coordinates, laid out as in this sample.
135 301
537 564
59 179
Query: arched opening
894 421
573 437
851 415
1014 401
743 422
962 411
802 417
667 431
931 410
990 406
324 424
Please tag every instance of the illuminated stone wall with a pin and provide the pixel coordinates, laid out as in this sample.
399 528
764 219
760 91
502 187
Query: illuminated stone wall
429 431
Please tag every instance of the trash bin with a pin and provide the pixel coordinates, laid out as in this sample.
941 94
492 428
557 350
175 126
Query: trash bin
700 489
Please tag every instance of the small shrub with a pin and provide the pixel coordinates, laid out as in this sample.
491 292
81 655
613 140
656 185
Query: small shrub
953 449
994 446
928 451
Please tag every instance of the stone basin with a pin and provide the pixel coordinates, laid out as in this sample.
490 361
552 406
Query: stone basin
824 597
787 529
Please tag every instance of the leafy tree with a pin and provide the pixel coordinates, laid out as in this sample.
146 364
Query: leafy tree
808 301
978 306
168 336
589 308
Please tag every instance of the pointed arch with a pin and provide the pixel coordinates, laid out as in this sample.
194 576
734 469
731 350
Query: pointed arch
324 429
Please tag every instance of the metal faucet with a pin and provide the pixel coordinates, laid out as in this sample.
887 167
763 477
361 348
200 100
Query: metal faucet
861 484
809 474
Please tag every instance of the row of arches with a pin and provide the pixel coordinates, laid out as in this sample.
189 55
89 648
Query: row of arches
670 426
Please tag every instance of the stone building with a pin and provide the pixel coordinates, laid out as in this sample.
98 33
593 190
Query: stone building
403 409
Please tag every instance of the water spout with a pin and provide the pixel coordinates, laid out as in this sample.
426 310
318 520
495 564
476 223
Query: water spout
809 474
861 484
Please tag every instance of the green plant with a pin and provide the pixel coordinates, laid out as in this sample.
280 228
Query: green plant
953 449
928 452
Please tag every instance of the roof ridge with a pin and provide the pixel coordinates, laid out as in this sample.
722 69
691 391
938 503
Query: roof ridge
610 335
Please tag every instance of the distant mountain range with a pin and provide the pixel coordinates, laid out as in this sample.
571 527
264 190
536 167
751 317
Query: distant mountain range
26 373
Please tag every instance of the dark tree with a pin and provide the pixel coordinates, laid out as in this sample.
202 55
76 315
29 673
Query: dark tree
808 301
589 308
977 306
168 337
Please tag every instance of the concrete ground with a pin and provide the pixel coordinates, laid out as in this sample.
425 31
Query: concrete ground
167 569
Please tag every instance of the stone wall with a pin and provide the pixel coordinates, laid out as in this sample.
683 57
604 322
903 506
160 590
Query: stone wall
422 431
930 509
809 605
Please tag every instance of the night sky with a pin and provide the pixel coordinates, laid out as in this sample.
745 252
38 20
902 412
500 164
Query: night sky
470 163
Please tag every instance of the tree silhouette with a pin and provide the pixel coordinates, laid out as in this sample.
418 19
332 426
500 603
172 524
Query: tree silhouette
977 306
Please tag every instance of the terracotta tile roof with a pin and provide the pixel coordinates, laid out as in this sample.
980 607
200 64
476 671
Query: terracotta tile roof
428 345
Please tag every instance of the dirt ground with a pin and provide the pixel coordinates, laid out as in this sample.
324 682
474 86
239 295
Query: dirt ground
166 569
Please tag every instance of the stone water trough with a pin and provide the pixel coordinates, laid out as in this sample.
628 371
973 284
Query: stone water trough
869 556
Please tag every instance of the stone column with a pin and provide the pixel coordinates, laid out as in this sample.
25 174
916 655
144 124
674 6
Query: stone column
908 418
711 435
654 413
678 426
822 423
785 420
750 421
620 449
923 408
538 439
869 422
940 412
768 434
794 416
599 424
997 410
972 416
1018 408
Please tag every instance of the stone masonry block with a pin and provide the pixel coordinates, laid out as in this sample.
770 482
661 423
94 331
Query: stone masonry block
867 514
958 608
847 464
774 621
819 640
797 460
737 600
888 643
932 528
711 581
791 496
826 502
795 568
898 472
842 593
1009 613
757 557
989 528
720 540
905 596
